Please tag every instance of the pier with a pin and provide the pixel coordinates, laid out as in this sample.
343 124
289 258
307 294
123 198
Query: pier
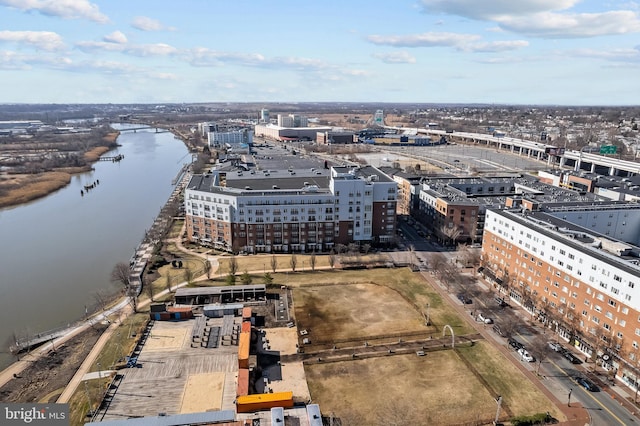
114 159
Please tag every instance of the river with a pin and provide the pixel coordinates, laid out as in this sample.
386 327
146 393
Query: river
57 252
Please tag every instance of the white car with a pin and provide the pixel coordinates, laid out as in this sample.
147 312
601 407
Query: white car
557 347
524 355
484 319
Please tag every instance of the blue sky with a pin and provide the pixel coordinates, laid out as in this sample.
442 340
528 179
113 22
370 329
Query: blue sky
568 52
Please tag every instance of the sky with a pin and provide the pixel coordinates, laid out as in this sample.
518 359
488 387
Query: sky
560 52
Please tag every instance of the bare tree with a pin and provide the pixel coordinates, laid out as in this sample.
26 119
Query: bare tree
168 281
451 233
540 350
147 288
312 261
233 265
274 263
366 248
293 261
188 275
207 268
121 273
332 258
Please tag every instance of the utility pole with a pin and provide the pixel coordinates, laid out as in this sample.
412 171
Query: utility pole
569 398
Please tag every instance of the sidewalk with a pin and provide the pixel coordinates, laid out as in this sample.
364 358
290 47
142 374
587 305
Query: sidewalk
576 414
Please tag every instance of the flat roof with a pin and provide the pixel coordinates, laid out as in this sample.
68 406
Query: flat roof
206 417
201 291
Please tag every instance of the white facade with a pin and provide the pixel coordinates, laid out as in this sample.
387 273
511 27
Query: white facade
608 274
243 136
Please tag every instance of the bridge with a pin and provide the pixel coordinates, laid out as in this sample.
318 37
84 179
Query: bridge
554 155
135 129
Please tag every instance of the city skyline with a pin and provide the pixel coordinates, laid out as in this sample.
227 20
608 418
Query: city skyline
565 52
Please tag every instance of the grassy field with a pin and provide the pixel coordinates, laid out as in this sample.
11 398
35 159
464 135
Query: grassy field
435 389
119 345
355 311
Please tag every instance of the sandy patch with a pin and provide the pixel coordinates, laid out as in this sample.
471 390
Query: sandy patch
283 340
295 380
203 392
166 339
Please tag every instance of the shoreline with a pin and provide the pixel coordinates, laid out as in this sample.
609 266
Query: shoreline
34 187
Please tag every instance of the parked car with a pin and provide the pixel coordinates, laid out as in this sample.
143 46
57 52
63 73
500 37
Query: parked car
464 299
555 346
484 319
515 344
500 301
572 358
498 330
587 384
525 355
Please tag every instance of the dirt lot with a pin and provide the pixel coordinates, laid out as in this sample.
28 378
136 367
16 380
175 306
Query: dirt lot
355 311
41 380
437 388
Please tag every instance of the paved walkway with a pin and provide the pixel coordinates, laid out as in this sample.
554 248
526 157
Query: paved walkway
576 414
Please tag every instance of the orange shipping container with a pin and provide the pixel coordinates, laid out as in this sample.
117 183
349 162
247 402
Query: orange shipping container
243 350
243 382
246 313
264 401
246 327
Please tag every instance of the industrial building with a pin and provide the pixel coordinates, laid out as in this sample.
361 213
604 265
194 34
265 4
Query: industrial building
289 133
291 210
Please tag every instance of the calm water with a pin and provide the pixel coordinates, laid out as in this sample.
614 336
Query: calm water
56 253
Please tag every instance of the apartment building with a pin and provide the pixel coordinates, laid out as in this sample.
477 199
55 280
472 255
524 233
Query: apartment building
291 210
575 267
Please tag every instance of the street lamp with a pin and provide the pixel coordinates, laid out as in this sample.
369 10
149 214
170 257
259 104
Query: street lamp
99 371
427 316
569 398
499 401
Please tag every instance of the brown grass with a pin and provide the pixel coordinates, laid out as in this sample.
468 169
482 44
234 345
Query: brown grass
434 389
438 388
26 188
94 153
354 311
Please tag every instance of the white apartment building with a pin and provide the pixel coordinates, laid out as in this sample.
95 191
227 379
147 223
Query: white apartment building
300 211
561 265
235 137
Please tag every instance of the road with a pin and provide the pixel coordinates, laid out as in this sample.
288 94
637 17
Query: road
556 374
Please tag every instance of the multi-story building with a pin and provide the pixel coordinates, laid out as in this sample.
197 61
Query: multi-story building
454 208
290 211
575 266
233 137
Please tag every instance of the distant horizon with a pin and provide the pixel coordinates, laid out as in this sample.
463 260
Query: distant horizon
525 52
373 103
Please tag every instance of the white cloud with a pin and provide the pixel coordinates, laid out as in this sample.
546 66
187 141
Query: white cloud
115 37
572 25
541 18
496 46
46 40
149 24
143 50
489 9
157 49
395 58
615 55
67 9
93 46
430 39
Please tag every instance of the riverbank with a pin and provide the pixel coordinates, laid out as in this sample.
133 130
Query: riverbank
16 189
